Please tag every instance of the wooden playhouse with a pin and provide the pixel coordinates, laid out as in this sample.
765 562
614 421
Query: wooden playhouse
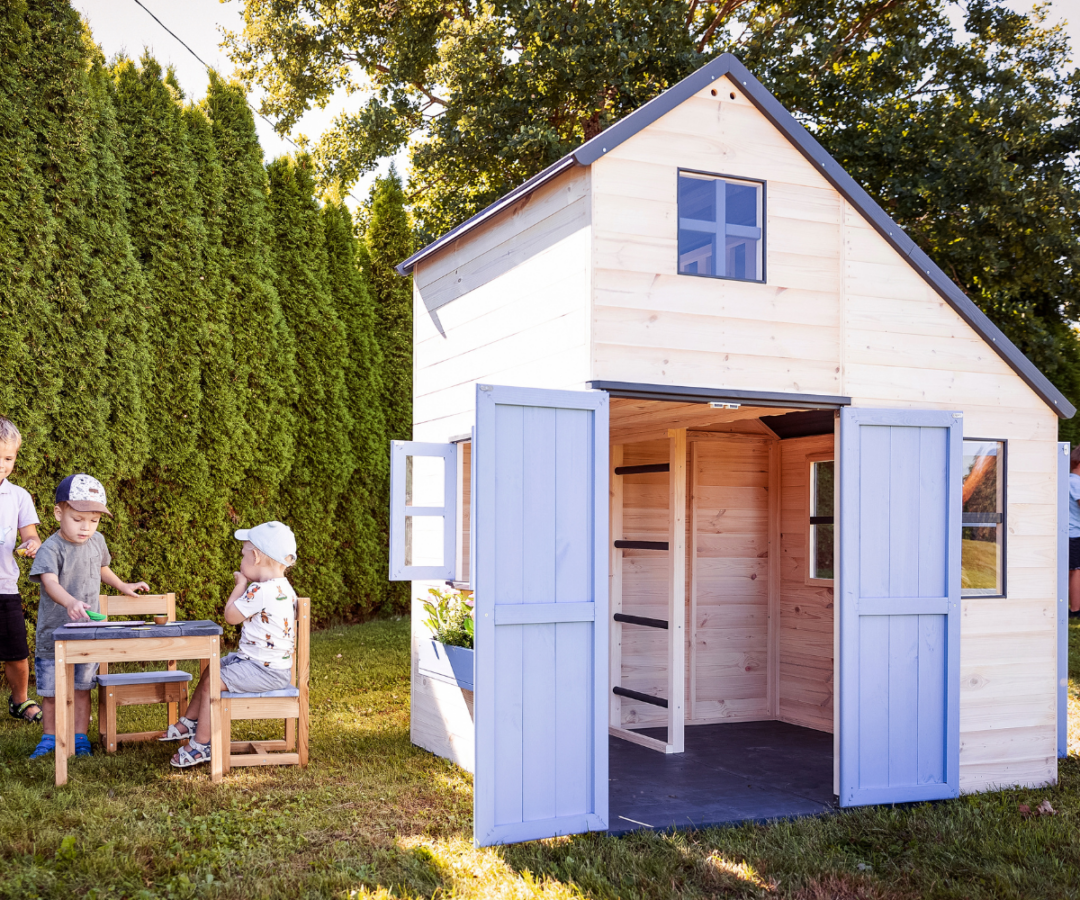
720 450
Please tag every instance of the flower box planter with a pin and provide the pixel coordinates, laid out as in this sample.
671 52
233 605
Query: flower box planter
450 665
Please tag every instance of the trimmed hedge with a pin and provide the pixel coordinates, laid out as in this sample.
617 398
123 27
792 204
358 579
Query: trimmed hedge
188 325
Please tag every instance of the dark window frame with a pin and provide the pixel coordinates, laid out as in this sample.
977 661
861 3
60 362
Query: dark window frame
764 225
1000 520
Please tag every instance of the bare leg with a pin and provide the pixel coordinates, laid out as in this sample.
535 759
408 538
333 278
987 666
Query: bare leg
1074 590
48 707
82 712
18 676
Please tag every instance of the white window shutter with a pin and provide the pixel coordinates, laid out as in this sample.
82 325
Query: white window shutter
423 538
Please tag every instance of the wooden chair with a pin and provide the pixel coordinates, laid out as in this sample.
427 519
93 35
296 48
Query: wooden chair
139 688
290 704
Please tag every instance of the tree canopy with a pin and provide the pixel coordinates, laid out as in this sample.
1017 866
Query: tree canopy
966 135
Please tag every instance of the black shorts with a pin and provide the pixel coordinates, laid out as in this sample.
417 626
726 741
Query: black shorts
1074 553
13 646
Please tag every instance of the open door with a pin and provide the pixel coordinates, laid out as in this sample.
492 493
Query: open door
900 507
540 522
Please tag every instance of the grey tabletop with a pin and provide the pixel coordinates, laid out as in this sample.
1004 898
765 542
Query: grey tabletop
198 628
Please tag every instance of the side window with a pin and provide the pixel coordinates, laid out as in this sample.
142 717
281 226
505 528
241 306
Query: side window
721 227
982 558
821 521
423 514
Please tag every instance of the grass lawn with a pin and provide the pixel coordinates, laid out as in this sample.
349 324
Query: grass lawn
374 816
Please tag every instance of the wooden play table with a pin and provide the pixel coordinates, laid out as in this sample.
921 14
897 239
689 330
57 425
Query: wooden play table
199 640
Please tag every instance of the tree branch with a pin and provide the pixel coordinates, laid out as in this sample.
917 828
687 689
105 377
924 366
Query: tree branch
726 10
860 27
690 13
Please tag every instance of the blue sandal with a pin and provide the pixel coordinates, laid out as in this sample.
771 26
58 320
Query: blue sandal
45 746
82 745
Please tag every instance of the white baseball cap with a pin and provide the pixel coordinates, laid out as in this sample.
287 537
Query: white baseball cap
275 539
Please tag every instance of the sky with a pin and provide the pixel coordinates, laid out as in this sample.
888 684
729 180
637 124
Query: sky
121 26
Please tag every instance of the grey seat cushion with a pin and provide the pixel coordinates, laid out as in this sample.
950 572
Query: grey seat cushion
157 677
283 692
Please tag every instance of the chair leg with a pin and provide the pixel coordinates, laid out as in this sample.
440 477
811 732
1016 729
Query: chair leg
302 735
101 711
226 734
290 735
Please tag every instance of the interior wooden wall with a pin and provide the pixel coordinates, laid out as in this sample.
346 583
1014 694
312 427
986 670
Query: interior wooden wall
806 610
646 517
729 595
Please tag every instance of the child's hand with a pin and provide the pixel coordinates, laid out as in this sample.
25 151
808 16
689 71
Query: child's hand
241 581
130 588
28 547
77 612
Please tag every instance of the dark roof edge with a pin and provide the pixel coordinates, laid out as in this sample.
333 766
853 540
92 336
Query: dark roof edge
526 187
682 394
831 170
836 175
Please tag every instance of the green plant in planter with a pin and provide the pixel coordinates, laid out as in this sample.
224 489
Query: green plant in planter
450 617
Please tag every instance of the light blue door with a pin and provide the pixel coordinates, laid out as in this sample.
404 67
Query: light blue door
540 526
900 505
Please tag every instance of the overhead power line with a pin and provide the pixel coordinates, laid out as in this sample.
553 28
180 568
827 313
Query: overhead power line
209 68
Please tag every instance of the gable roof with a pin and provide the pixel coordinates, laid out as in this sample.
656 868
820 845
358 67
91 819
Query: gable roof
830 169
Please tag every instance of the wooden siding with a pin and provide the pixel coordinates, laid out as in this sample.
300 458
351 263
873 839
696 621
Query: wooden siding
730 579
841 313
806 610
508 305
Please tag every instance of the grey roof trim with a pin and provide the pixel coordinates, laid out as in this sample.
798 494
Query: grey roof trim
681 394
526 187
832 171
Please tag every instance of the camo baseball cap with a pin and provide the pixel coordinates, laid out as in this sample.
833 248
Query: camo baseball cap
82 492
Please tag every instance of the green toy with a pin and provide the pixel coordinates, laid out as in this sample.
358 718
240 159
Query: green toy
96 616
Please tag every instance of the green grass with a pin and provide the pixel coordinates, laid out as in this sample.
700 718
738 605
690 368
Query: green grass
374 816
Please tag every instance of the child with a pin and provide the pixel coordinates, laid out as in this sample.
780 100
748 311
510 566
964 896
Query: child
17 517
265 602
1074 533
71 566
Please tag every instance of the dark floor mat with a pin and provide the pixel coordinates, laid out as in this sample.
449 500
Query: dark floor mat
730 773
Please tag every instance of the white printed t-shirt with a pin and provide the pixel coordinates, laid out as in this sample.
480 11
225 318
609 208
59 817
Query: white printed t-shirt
269 633
16 511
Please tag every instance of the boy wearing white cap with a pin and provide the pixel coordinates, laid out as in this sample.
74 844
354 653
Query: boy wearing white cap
264 601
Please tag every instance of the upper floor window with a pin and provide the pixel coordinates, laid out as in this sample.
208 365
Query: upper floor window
721 230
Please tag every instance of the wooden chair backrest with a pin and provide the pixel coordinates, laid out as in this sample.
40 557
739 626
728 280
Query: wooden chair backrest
146 605
302 658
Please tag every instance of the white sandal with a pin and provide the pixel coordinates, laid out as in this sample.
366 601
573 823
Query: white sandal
191 755
175 734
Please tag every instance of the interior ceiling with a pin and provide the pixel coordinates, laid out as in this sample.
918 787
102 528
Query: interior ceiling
649 420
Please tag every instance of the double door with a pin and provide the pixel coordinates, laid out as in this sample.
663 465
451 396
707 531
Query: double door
541 549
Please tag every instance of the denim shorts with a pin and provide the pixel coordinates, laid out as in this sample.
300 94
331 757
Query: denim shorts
245 676
45 676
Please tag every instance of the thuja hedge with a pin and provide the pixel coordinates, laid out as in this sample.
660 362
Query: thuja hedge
189 325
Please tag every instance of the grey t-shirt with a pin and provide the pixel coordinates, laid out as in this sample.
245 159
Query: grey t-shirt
78 569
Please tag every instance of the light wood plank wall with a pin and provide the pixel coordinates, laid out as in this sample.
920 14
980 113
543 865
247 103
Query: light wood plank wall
842 313
506 305
645 517
730 579
806 610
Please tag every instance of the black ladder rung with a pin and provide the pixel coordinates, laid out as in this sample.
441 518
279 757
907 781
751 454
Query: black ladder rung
643 470
641 545
640 620
637 695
